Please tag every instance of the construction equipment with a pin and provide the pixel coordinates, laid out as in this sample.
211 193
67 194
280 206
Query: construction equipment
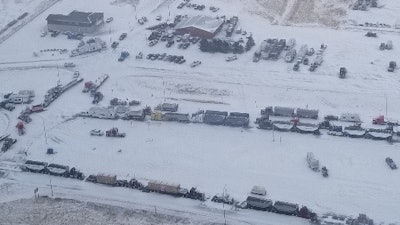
113 132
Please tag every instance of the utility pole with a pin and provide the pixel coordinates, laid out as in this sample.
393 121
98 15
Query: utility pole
224 217
273 134
135 12
164 88
51 187
45 133
386 105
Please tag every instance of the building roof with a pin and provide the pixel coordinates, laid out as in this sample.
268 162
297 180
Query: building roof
76 16
205 23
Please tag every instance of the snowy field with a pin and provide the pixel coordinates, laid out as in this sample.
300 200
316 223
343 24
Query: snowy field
64 211
12 9
214 158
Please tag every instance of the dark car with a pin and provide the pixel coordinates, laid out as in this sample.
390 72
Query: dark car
391 163
123 36
114 44
313 67
186 45
170 43
123 56
91 40
75 36
55 33
342 72
296 67
306 61
392 66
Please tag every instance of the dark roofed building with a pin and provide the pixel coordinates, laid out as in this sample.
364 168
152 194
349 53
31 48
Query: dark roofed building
75 22
199 26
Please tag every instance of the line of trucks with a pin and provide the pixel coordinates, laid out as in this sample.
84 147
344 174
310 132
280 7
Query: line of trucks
111 180
52 169
285 119
256 200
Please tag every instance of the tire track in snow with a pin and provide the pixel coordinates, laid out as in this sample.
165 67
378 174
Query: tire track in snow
288 11
5 121
162 73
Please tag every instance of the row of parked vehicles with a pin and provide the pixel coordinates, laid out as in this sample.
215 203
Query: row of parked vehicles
52 169
111 180
256 200
168 58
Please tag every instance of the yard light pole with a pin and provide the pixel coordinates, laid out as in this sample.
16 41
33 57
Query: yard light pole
273 133
45 133
135 12
386 105
51 186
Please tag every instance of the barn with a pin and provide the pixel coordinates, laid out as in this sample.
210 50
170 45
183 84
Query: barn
199 26
75 22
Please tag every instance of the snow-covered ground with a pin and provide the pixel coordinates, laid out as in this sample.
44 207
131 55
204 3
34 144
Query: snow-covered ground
64 211
12 9
214 158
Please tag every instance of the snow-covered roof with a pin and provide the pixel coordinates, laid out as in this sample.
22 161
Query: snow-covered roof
205 23
259 190
396 129
76 17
